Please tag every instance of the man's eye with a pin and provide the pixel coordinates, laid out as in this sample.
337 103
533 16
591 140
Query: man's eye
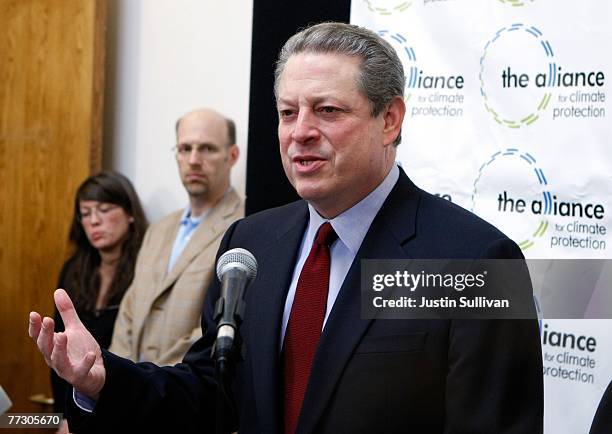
329 109
185 149
285 113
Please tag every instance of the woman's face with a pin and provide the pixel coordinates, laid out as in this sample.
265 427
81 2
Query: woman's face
106 224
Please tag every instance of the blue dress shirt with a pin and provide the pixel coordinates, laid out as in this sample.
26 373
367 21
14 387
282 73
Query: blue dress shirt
351 227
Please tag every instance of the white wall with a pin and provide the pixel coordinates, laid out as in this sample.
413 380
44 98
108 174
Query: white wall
164 58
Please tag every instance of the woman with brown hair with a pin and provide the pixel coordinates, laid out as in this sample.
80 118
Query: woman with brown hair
107 229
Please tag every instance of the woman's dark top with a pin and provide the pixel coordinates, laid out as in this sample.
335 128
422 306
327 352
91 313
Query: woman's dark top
100 324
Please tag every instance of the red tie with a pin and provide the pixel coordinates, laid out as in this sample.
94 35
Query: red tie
305 324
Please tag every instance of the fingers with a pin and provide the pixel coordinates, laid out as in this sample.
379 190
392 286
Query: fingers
66 308
82 369
75 374
34 325
59 356
45 338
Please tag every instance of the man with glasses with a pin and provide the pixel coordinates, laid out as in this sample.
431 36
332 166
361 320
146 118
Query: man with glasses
159 317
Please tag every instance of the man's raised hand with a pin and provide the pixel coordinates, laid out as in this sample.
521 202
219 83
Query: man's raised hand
74 353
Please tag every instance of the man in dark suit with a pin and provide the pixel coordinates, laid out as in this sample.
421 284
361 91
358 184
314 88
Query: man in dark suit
602 423
339 91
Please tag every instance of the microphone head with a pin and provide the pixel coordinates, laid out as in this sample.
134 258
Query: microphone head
237 258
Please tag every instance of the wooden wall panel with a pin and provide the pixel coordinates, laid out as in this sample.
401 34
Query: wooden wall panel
51 87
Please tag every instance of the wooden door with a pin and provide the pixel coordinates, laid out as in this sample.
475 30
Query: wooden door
51 87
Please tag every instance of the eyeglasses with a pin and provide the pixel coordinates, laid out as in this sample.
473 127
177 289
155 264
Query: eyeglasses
184 150
101 211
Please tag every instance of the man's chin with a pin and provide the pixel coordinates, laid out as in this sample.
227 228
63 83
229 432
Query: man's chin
196 189
310 193
316 197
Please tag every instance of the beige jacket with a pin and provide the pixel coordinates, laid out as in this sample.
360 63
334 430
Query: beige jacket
159 316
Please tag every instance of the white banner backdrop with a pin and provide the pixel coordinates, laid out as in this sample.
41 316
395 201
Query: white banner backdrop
508 116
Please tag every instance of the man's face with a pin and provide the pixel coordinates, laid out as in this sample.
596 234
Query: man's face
203 155
333 151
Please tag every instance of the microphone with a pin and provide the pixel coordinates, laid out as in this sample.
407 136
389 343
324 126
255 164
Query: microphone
235 269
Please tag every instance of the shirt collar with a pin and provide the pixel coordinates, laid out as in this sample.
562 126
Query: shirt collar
353 224
186 216
193 221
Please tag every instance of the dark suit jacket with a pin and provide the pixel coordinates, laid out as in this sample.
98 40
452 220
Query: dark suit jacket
602 423
368 376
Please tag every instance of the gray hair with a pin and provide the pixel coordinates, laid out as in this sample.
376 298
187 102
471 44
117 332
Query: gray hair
381 76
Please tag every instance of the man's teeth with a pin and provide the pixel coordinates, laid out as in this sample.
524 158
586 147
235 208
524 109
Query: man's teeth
305 162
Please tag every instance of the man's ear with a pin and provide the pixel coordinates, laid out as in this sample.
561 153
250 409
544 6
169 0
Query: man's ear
234 153
393 117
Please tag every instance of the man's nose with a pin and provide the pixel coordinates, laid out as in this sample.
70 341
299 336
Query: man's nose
306 127
195 157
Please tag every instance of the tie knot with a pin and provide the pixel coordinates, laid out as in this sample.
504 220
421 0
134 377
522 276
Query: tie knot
326 234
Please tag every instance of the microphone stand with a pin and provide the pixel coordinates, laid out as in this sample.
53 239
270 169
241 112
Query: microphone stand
235 269
226 355
224 398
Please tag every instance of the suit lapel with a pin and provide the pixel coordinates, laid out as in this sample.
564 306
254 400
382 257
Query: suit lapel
202 237
265 304
158 271
209 229
166 247
391 229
